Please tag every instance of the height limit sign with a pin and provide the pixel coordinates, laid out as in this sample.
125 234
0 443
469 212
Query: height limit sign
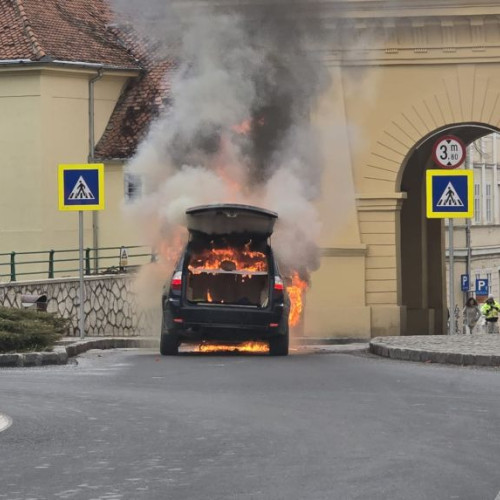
449 152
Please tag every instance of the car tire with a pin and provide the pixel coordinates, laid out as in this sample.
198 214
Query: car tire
169 344
278 346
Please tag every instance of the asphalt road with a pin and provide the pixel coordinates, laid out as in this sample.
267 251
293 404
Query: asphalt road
131 425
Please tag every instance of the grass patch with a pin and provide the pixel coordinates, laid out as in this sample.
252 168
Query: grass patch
23 330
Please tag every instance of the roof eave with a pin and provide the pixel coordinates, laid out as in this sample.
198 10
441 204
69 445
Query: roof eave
68 64
104 159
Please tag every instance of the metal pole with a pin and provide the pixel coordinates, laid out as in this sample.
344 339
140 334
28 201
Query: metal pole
81 315
469 254
12 266
451 274
91 158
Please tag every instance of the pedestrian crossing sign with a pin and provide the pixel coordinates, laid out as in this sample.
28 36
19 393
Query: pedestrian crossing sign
81 187
450 194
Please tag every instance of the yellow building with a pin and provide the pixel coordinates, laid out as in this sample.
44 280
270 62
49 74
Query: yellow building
61 74
402 74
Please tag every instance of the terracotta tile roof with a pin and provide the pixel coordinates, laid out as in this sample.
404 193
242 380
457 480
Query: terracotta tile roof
142 100
69 30
84 31
15 40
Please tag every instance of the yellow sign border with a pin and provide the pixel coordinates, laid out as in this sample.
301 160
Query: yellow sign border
466 214
81 166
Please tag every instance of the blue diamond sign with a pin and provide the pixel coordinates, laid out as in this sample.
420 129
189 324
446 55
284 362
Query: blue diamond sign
450 194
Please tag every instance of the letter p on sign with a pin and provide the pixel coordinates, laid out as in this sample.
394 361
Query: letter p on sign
482 286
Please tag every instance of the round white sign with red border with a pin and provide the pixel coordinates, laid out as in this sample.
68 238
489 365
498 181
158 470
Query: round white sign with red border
449 152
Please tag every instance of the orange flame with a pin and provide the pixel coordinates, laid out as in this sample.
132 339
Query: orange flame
209 296
243 347
229 259
170 250
296 293
243 128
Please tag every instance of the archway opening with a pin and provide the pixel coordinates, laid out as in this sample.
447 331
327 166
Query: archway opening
422 242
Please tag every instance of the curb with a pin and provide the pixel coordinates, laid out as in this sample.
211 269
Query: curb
61 354
330 341
423 356
69 348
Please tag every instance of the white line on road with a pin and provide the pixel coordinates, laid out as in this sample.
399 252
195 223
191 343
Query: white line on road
5 422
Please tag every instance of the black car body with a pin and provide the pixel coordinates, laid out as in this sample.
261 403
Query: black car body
226 286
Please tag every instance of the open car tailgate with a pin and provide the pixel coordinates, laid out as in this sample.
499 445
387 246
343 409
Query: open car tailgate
225 219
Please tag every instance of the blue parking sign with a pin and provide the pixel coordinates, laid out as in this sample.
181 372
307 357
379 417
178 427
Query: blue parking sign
464 282
482 287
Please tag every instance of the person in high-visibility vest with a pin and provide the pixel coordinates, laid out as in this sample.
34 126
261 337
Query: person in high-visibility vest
490 310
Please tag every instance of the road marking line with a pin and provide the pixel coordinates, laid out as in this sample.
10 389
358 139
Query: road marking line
5 422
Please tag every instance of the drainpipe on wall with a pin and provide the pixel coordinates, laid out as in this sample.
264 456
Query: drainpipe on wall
91 159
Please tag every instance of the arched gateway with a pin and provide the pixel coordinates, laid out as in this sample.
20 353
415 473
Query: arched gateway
408 76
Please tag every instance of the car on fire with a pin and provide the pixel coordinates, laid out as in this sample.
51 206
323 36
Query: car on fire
226 286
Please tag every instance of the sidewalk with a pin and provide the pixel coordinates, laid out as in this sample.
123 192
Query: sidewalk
69 347
479 350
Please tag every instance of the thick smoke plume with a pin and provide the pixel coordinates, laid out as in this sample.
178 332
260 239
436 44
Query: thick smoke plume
238 129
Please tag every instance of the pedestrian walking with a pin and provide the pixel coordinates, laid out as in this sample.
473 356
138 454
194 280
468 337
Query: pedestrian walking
471 314
490 310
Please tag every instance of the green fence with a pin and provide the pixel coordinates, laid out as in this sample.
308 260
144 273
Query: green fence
18 266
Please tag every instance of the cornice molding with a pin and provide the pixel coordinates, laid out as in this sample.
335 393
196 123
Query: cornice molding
385 31
354 41
349 8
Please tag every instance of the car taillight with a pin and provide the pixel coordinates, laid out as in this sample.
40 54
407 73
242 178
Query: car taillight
278 283
176 283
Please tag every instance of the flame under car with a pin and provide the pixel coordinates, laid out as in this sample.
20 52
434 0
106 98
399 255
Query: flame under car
226 286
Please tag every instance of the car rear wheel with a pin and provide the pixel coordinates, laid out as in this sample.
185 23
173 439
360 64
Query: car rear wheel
278 346
169 344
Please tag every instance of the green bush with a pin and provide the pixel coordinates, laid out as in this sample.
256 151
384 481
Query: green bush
26 330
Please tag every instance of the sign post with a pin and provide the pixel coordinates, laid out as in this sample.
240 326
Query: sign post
81 188
450 194
449 152
451 276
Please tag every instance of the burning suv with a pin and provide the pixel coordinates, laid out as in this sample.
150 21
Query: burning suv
226 286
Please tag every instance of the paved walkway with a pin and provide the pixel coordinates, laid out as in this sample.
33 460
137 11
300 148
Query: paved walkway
481 350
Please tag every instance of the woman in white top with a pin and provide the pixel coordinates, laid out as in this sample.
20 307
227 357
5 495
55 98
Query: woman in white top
471 314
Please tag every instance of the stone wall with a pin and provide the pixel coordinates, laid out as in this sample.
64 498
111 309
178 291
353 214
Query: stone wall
110 309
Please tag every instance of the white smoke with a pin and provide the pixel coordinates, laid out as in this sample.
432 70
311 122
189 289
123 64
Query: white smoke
234 68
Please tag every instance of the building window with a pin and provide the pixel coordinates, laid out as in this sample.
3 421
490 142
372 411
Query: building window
489 210
477 203
133 187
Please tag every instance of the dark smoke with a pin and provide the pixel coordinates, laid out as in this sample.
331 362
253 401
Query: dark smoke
240 63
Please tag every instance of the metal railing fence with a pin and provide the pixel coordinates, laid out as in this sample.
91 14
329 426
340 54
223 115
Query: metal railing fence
65 263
